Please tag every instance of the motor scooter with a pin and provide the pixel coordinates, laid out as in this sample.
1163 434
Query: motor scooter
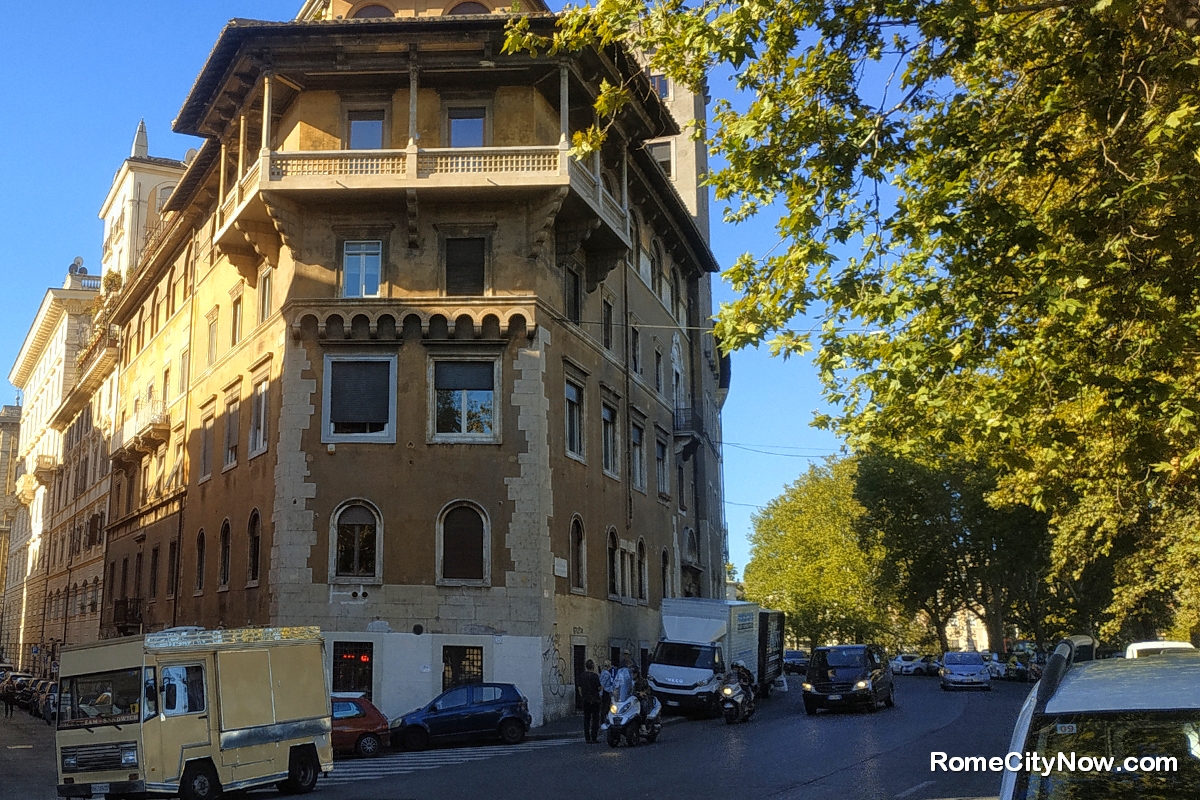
624 721
735 702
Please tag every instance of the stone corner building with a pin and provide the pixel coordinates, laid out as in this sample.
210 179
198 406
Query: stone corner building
395 364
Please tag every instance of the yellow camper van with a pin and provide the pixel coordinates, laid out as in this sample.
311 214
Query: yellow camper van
191 713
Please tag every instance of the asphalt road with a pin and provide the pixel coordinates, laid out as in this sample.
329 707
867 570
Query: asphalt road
782 754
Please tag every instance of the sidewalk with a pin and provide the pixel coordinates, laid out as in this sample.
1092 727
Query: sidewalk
572 728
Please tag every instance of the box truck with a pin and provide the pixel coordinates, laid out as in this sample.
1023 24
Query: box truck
701 638
192 713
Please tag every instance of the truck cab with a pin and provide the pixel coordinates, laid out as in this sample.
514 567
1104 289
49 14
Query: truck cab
686 675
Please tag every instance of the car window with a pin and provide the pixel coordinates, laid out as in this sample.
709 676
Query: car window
183 690
455 698
344 709
485 694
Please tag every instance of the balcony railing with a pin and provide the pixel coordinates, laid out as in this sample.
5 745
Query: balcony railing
147 429
102 338
688 420
44 468
125 614
338 162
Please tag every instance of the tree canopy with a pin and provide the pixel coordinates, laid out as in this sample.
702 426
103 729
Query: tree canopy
993 207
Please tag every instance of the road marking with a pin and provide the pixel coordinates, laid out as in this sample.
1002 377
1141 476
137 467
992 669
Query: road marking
367 769
20 747
914 789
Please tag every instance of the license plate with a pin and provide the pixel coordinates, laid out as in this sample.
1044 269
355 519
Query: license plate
672 702
99 788
835 697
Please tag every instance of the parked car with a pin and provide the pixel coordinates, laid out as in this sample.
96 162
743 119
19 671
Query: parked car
1141 713
795 662
475 711
1143 649
995 665
925 665
45 690
28 692
848 675
898 663
47 701
965 671
358 726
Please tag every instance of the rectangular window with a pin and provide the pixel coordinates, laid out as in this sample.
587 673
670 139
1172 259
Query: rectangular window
465 127
153 590
360 397
212 340
661 85
264 296
573 301
184 364
464 397
461 665
361 262
353 667
465 262
661 152
635 350
574 398
183 690
660 464
206 447
637 457
364 130
259 424
232 432
608 421
235 322
606 324
177 466
658 372
166 384
172 554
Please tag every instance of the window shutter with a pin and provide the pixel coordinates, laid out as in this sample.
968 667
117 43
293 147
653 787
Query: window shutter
464 266
462 545
360 391
469 375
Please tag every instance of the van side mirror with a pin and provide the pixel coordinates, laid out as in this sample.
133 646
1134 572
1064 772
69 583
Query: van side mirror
170 695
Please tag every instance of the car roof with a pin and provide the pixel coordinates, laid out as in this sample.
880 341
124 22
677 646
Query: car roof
1133 650
844 647
1160 682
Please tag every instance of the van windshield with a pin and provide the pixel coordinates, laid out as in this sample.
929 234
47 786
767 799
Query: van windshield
105 698
675 654
838 658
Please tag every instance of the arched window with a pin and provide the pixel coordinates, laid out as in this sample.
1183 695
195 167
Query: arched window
678 301
470 8
75 605
373 12
225 546
614 565
357 534
656 270
666 574
200 561
464 545
641 571
578 561
95 594
253 546
692 554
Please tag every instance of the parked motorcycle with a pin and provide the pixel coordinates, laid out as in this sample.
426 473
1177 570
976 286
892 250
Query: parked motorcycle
624 722
735 702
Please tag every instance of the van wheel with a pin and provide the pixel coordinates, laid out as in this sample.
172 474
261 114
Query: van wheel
415 739
512 731
199 783
810 708
303 770
368 746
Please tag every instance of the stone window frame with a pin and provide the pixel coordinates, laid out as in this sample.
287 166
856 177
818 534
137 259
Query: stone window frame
457 352
577 553
467 230
457 99
463 502
332 577
388 434
366 103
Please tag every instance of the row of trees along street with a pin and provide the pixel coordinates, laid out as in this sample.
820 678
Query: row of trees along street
989 211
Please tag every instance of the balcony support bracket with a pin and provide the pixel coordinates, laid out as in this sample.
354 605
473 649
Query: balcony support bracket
541 221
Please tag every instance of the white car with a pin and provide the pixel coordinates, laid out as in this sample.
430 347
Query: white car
1119 727
899 662
1143 649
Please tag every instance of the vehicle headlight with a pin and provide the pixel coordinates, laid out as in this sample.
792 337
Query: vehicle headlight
129 757
727 691
612 709
862 685
69 762
806 686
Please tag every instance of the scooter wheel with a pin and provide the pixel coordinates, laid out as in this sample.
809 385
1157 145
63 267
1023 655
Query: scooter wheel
632 738
731 716
614 738
652 737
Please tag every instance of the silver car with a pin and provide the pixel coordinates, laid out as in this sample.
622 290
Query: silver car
965 671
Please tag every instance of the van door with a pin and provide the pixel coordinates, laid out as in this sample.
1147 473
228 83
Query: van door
184 722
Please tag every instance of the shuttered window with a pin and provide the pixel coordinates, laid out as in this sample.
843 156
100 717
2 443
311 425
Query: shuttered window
462 545
360 395
465 266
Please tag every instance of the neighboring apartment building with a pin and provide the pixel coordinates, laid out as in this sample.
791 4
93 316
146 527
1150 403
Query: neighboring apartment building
45 372
10 433
395 364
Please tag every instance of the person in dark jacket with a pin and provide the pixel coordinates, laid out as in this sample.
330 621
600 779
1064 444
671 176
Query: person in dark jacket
589 692
8 693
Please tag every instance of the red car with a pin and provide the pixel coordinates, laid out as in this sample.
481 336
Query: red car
358 726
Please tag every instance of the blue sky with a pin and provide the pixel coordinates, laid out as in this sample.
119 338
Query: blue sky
77 84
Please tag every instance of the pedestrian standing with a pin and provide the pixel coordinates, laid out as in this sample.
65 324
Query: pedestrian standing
623 684
608 677
589 690
9 695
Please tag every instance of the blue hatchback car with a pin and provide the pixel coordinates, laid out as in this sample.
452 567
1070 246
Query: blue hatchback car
474 711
